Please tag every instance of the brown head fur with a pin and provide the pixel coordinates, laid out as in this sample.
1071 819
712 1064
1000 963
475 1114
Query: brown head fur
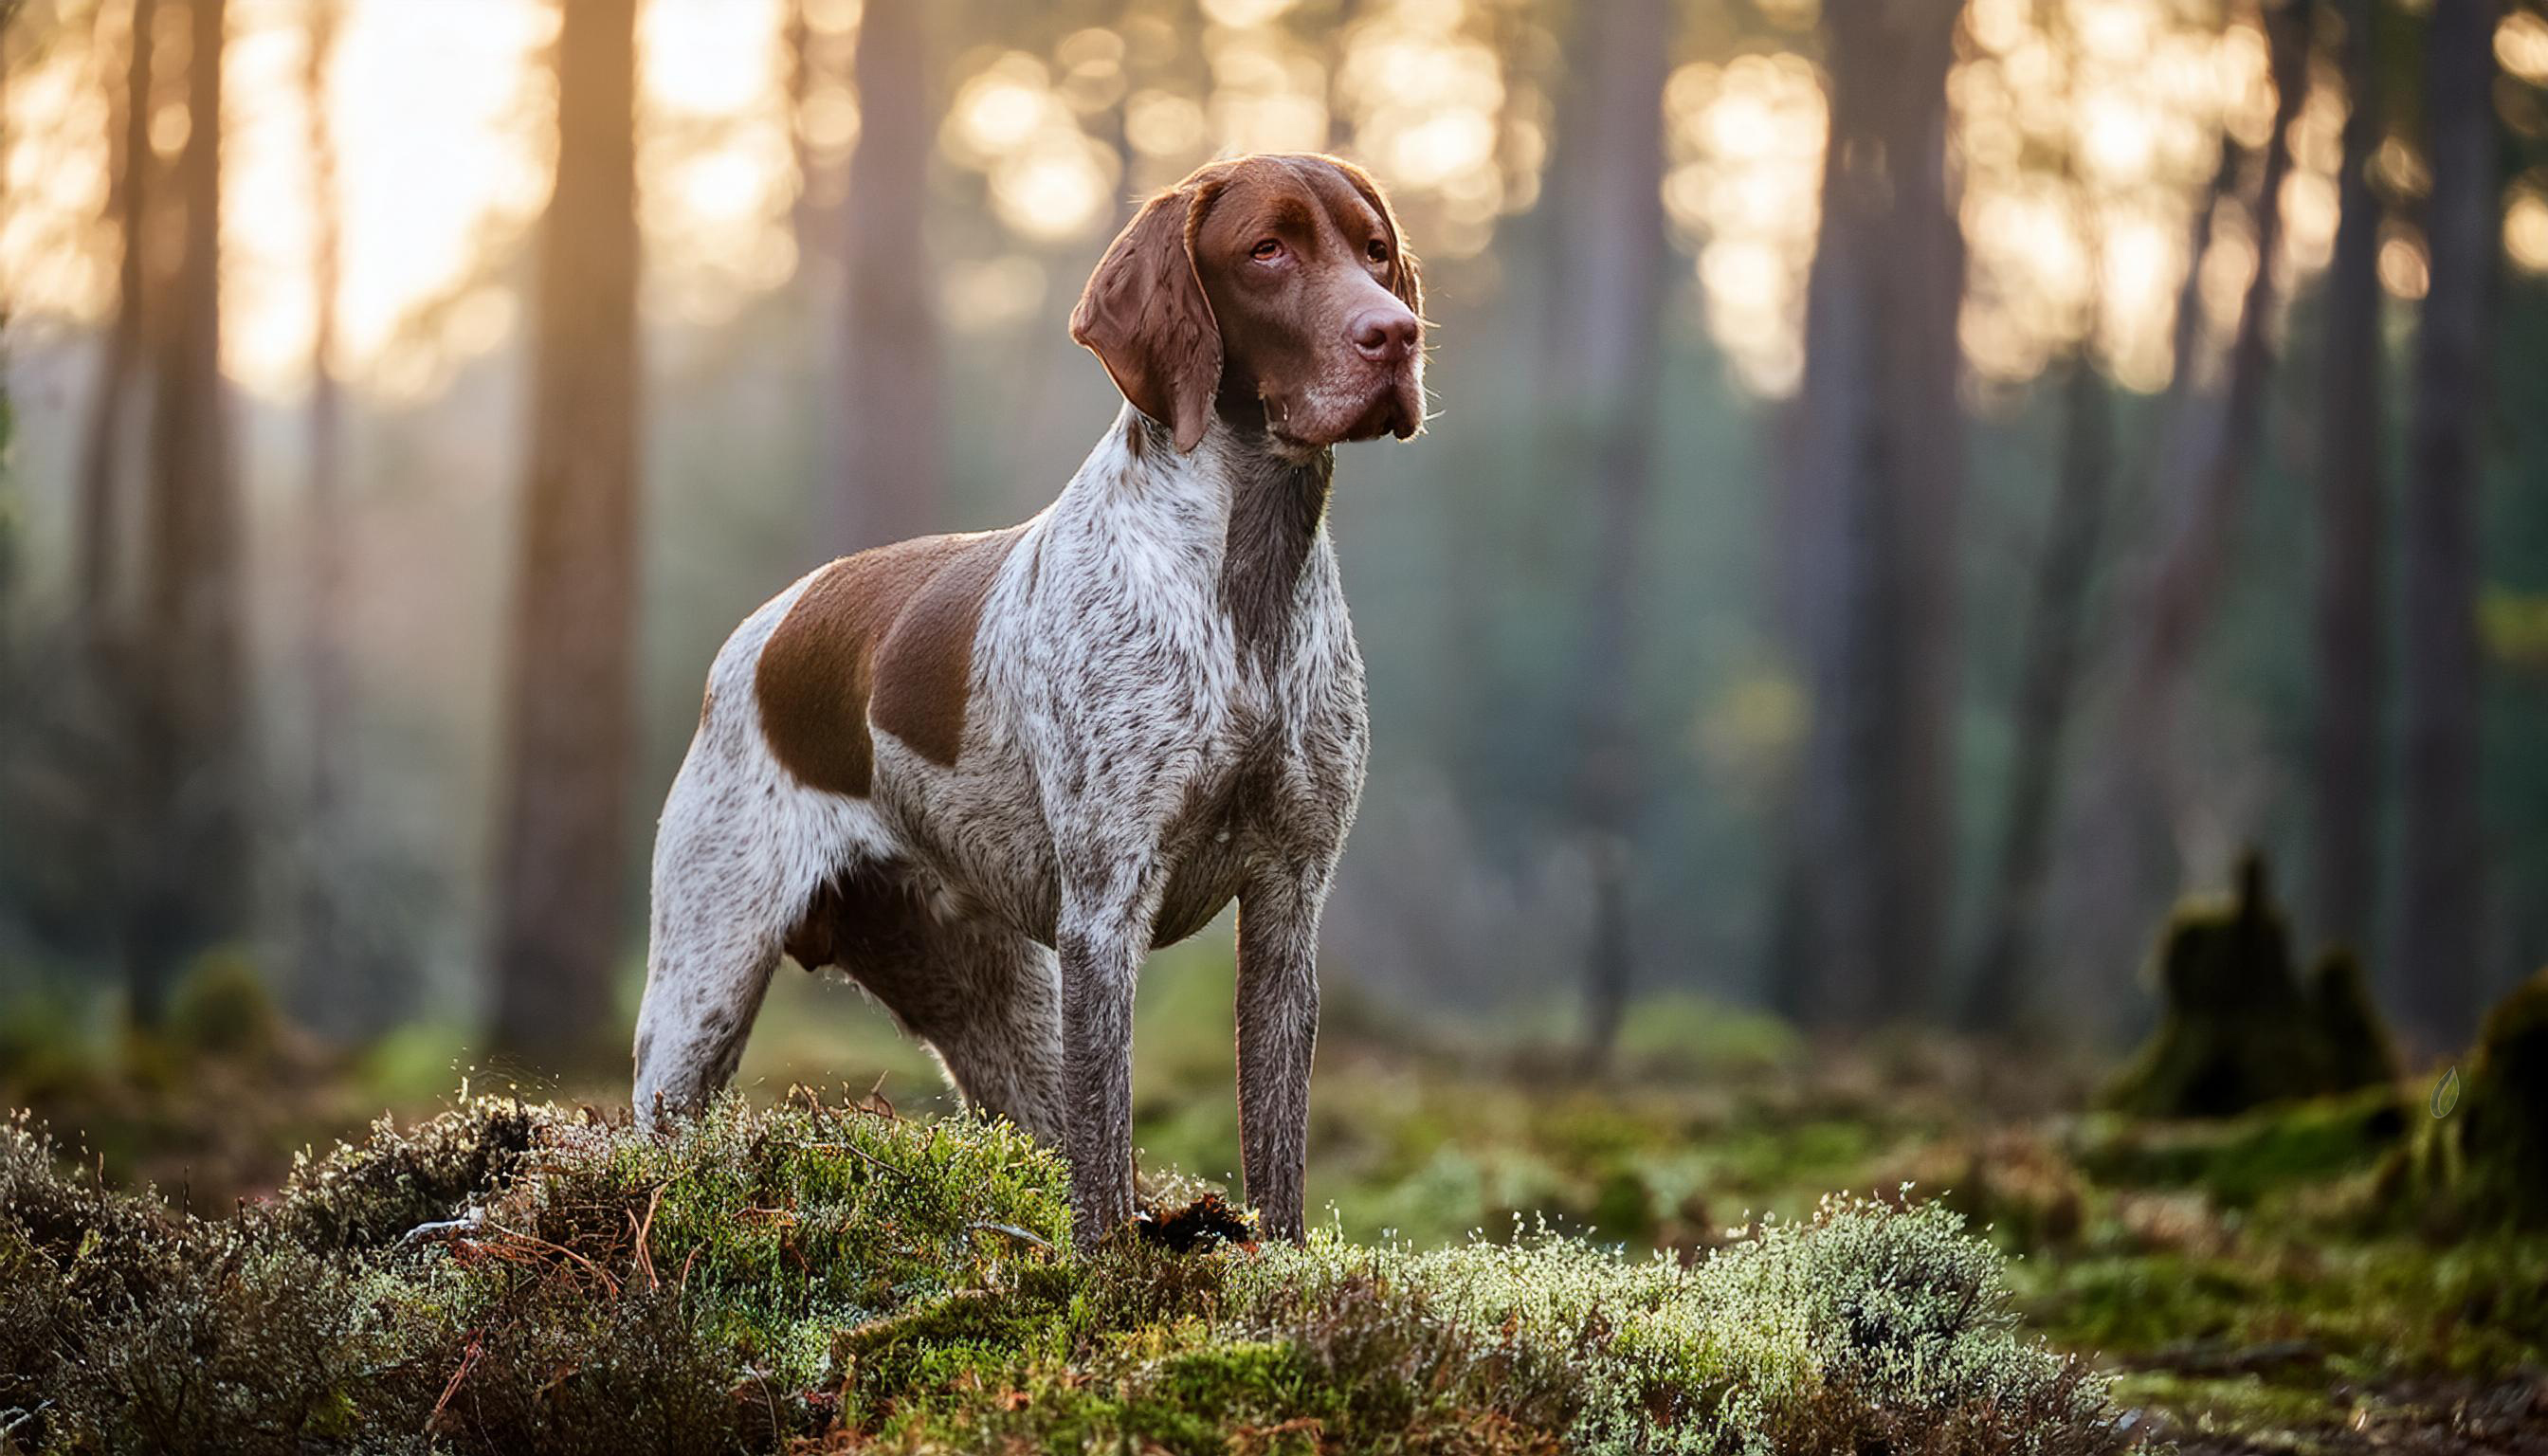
1277 289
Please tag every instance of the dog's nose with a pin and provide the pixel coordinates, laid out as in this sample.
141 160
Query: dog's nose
1384 335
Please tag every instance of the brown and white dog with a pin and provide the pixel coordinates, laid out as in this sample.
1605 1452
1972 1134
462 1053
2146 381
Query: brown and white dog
984 775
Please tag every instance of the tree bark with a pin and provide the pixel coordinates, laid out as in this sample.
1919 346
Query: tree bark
2184 585
193 719
2433 961
100 517
886 468
569 732
2349 617
1867 529
2143 804
1996 998
1610 333
333 980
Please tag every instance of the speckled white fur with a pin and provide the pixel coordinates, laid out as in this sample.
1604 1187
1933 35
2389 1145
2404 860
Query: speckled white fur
1135 753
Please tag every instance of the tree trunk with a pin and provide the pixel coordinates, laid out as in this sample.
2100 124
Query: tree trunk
2434 959
886 468
193 707
2143 804
1868 531
2347 767
333 977
1997 996
2184 585
1611 332
100 519
569 732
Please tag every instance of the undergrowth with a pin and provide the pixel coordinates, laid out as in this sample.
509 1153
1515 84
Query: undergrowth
507 1277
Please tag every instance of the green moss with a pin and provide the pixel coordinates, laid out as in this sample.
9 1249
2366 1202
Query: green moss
759 1276
2236 1029
2484 1162
369 1195
2240 1161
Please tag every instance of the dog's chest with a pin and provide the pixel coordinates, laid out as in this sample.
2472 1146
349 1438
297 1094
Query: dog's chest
1236 811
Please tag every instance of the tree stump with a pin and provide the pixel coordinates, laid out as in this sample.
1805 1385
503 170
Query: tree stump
2239 1029
2481 1160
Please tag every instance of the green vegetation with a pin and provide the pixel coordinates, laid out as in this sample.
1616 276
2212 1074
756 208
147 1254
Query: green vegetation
2238 1030
1660 1251
874 1282
2487 1165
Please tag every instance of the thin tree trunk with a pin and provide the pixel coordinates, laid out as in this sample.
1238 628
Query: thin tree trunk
2049 682
2350 616
1614 332
330 978
127 194
2434 959
193 702
569 733
2115 867
886 472
1868 533
2183 589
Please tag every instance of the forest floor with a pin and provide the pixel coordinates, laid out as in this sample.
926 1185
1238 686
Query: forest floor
2236 1286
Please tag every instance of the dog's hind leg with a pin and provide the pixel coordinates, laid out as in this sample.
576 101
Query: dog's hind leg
984 999
735 857
1005 1055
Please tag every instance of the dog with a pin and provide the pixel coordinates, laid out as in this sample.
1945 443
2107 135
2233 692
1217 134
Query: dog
985 774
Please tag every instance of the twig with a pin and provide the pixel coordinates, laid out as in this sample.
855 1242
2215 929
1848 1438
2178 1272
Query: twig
470 1222
646 1260
1014 1232
533 1239
468 1362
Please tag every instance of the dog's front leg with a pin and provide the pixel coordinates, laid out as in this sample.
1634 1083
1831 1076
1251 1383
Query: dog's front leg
1105 933
1278 1031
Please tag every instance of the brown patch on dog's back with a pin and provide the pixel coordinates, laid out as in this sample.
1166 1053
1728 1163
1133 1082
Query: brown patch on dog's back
887 633
924 672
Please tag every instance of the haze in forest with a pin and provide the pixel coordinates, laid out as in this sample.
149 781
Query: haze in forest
1916 488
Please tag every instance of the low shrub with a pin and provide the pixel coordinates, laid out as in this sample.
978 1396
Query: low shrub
517 1278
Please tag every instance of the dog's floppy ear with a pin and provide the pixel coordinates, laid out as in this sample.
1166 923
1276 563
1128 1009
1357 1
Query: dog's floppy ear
1147 318
1404 278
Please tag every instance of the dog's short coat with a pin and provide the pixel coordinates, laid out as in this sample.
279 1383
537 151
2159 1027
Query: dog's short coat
984 775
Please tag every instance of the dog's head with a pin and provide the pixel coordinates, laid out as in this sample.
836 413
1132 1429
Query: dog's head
1277 281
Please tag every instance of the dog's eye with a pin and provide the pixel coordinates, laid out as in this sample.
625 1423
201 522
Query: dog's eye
1266 251
1378 250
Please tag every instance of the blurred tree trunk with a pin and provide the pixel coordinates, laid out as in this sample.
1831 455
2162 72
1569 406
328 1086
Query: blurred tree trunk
1608 344
2347 767
2113 879
128 194
2146 809
1867 527
568 734
2434 959
332 978
191 687
885 471
1997 996
2185 584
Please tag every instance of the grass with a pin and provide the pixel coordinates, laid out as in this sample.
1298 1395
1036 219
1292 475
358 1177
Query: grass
1489 1227
850 1279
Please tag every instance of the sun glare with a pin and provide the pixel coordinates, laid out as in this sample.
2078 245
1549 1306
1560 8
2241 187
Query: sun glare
440 116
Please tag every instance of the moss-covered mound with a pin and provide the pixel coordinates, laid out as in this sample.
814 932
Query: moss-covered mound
520 1279
2482 1158
2238 1029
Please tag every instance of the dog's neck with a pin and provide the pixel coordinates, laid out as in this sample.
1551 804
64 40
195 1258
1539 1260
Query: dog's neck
1274 500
